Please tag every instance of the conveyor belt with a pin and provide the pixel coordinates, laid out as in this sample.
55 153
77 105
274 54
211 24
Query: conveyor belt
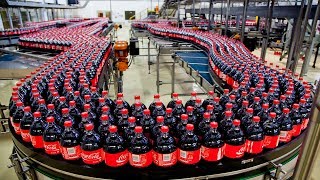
197 61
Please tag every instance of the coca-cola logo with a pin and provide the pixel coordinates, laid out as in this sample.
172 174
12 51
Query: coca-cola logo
91 156
51 147
267 141
240 151
123 158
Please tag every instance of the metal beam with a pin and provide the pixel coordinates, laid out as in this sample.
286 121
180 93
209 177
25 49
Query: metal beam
40 5
310 42
178 18
227 17
9 17
278 11
210 15
244 18
266 40
193 13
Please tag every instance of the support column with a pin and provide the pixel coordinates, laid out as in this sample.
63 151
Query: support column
8 11
244 18
193 12
238 22
310 43
28 15
20 17
210 15
268 27
227 17
178 18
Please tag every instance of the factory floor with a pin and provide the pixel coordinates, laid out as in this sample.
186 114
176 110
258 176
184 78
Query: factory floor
138 81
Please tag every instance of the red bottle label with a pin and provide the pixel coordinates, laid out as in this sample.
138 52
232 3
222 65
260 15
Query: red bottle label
25 134
37 141
165 160
16 127
305 123
254 147
52 148
232 151
296 131
212 154
116 160
140 160
92 157
189 157
71 153
271 142
285 136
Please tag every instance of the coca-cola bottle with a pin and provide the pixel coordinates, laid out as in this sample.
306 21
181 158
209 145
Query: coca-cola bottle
289 98
254 137
228 108
283 103
210 110
147 123
172 103
155 131
199 110
103 128
123 121
78 99
42 108
242 111
108 101
192 119
204 124
129 131
256 105
69 95
85 120
158 110
153 104
87 100
218 109
170 120
181 126
165 149
212 148
178 109
286 126
137 99
189 147
13 105
125 103
235 141
304 113
271 96
264 99
234 104
242 98
25 124
115 152
137 112
66 117
192 100
296 120
17 116
74 112
264 113
140 151
91 147
62 104
101 104
209 100
225 97
34 103
95 96
36 131
117 112
51 137
92 116
70 142
272 132
251 95
226 123
106 110
86 90
276 107
52 112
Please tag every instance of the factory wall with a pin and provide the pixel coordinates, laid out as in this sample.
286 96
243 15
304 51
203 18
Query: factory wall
118 8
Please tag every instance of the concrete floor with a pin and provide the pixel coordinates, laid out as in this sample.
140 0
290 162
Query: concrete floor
137 81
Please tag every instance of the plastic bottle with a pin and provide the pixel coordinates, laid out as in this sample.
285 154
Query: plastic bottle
108 101
276 108
88 100
137 99
212 148
125 103
192 100
165 149
101 104
235 141
17 116
66 117
242 111
129 131
178 109
51 137
242 98
218 109
264 113
36 131
283 103
42 108
85 120
181 126
78 99
225 97
62 104
74 112
70 142
147 123
123 121
286 126
304 113
25 124
170 120
117 112
172 103
158 110
209 100
210 110
137 112
272 132
204 125
106 111
296 120
91 148
103 129
199 110
52 112
140 151
115 152
254 137
226 123
192 119
189 147
153 104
